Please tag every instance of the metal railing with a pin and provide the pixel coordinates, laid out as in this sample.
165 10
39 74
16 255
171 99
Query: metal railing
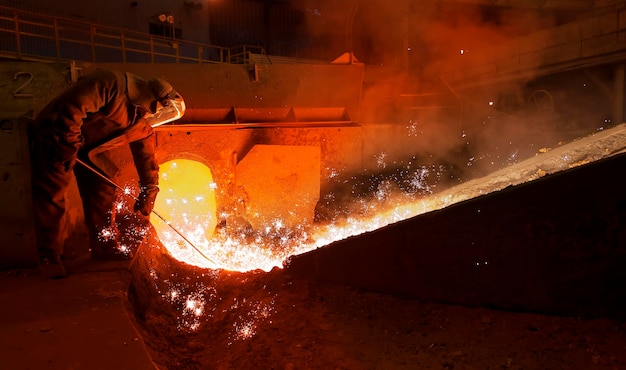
32 36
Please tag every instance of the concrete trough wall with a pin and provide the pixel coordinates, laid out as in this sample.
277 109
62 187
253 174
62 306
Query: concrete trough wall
555 245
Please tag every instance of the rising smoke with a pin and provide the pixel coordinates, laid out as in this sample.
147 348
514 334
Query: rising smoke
418 109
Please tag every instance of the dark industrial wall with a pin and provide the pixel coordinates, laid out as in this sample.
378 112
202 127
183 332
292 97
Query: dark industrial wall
320 30
276 25
127 14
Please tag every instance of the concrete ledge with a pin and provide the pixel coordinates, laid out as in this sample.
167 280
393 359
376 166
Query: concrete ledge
556 245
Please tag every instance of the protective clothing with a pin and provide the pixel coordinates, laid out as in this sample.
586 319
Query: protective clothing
169 109
101 111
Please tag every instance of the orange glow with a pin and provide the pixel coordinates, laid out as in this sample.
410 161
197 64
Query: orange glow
187 201
271 244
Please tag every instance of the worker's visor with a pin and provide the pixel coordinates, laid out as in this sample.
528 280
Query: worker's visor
168 109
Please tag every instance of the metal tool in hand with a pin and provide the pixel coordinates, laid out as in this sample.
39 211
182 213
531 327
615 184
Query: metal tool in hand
153 211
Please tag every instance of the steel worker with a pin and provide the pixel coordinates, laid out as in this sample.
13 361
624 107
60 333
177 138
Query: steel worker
101 111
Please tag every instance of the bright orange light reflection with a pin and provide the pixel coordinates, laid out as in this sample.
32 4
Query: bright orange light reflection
187 202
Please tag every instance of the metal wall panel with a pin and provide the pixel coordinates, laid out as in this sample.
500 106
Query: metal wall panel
236 22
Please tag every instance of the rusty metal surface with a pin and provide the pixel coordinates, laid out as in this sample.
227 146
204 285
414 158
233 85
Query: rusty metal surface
224 87
279 183
221 147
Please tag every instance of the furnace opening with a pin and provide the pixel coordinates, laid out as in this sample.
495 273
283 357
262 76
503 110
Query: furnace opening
187 203
188 225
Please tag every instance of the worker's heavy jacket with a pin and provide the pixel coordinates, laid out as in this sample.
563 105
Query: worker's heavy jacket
99 112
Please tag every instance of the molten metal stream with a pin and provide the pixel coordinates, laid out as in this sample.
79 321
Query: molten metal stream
187 199
270 247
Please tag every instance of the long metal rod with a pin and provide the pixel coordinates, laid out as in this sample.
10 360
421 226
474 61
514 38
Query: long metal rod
108 180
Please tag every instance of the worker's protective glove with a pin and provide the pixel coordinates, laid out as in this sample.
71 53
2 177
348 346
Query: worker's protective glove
66 166
145 200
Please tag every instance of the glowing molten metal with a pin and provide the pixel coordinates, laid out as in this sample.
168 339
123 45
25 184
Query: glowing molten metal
187 201
188 192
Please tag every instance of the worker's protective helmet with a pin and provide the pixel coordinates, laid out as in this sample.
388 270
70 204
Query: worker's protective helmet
156 99
167 106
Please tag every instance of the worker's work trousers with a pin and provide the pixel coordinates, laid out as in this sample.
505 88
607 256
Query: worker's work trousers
51 181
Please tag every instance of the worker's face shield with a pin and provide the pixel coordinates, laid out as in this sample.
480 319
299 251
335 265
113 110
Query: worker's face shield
168 109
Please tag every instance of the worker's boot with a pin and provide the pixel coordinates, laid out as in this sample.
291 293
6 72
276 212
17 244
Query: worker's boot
52 267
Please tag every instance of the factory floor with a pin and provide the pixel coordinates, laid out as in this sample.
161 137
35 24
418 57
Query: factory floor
79 322
84 322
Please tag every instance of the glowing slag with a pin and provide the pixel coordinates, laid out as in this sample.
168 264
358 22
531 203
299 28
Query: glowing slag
188 211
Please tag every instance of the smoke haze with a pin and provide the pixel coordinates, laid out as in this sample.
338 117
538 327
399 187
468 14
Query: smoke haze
417 55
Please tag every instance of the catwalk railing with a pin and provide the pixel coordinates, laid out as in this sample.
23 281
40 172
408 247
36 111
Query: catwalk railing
32 36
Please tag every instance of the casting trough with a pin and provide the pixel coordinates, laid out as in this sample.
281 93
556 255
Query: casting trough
545 235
